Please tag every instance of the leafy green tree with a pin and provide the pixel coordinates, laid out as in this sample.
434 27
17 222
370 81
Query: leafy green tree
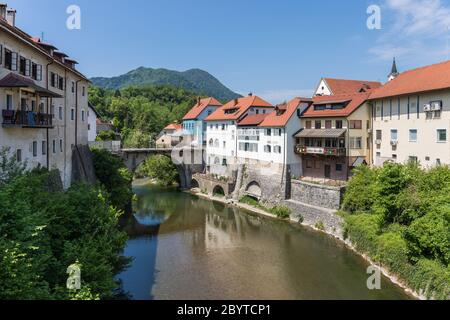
9 167
159 168
361 191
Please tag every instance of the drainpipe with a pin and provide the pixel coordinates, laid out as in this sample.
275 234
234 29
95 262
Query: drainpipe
348 148
49 100
76 112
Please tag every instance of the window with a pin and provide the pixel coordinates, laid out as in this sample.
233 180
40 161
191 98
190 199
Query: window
394 157
54 146
11 60
72 114
84 91
268 132
277 149
60 113
53 79
328 124
89 127
44 148
24 66
339 167
355 124
60 83
379 135
216 143
223 127
318 124
356 143
308 125
378 154
394 135
413 159
309 164
19 155
224 144
60 145
224 162
339 124
211 142
277 132
34 148
82 115
73 87
9 102
36 71
442 135
413 135
267 149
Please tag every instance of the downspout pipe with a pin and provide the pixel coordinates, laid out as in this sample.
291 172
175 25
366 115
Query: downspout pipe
76 112
49 100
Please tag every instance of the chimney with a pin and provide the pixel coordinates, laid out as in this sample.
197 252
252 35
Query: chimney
11 17
250 94
3 7
199 100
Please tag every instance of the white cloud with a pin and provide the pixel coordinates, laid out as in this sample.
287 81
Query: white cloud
414 30
280 95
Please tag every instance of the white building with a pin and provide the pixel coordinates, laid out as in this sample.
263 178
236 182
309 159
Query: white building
44 100
411 117
92 117
331 87
268 140
221 132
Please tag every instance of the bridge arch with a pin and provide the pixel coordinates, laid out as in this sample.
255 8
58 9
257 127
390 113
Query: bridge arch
254 190
195 184
218 191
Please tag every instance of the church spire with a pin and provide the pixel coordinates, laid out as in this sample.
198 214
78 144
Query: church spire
394 71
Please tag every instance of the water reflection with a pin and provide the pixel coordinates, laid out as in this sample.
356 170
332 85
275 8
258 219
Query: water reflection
188 248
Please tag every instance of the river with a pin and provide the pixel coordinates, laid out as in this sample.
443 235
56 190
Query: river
190 248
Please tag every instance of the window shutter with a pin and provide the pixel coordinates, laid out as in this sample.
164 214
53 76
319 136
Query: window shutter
14 57
1 55
27 67
39 72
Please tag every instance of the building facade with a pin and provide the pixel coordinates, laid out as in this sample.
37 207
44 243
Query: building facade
170 137
193 122
44 100
411 117
267 140
336 131
92 117
222 130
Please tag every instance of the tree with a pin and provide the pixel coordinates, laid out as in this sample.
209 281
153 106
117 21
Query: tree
159 168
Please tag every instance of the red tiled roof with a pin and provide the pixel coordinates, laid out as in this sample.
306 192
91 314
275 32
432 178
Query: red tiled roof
241 105
428 78
253 120
173 126
355 101
343 86
200 106
280 120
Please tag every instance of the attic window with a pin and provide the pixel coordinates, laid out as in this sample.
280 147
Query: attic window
230 111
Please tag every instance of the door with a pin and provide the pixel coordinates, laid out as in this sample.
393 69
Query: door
327 171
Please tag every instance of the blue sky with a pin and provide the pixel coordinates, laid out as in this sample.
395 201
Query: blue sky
276 49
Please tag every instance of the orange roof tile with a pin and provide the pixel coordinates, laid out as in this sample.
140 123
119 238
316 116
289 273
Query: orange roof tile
355 101
200 106
428 78
174 126
343 86
241 105
253 120
275 119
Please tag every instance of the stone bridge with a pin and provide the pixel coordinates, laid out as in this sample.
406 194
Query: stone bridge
213 186
189 160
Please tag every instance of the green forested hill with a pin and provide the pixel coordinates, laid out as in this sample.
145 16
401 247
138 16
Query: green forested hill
195 80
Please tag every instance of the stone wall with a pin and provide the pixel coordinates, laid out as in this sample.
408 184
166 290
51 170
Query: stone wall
317 195
208 183
83 165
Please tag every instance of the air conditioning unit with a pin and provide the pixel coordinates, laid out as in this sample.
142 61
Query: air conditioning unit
427 107
378 141
394 142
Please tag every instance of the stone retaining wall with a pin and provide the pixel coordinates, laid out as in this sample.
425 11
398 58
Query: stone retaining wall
317 195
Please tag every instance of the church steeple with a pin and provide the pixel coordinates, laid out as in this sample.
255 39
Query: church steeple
394 71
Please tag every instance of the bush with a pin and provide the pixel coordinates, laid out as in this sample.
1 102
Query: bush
282 212
361 192
9 167
159 168
106 136
114 176
43 231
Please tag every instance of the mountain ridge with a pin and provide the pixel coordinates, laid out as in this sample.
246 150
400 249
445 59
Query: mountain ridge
196 80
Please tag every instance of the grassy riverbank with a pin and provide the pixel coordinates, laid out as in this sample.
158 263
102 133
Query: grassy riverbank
399 216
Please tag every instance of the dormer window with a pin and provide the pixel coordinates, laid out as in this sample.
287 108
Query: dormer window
230 111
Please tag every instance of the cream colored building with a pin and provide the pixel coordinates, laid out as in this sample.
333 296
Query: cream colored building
411 117
44 100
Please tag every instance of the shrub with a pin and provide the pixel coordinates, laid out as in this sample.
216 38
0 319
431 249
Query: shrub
9 167
320 226
106 136
361 191
282 212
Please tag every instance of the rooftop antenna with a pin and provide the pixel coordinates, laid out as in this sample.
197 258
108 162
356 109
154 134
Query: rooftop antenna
42 36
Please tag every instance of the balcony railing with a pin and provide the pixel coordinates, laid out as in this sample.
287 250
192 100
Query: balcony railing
26 119
337 152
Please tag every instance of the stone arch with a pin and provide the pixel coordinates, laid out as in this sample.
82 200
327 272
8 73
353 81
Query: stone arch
254 190
218 191
195 184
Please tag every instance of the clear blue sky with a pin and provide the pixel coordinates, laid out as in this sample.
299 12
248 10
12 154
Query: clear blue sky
277 49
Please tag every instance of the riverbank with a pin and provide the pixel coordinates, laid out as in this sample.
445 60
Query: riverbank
338 236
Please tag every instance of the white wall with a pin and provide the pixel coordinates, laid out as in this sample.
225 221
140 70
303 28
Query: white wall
92 125
323 89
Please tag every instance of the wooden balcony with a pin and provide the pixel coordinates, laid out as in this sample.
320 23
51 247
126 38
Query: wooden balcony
335 152
26 119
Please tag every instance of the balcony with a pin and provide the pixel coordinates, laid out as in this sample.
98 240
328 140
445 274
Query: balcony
26 119
335 152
